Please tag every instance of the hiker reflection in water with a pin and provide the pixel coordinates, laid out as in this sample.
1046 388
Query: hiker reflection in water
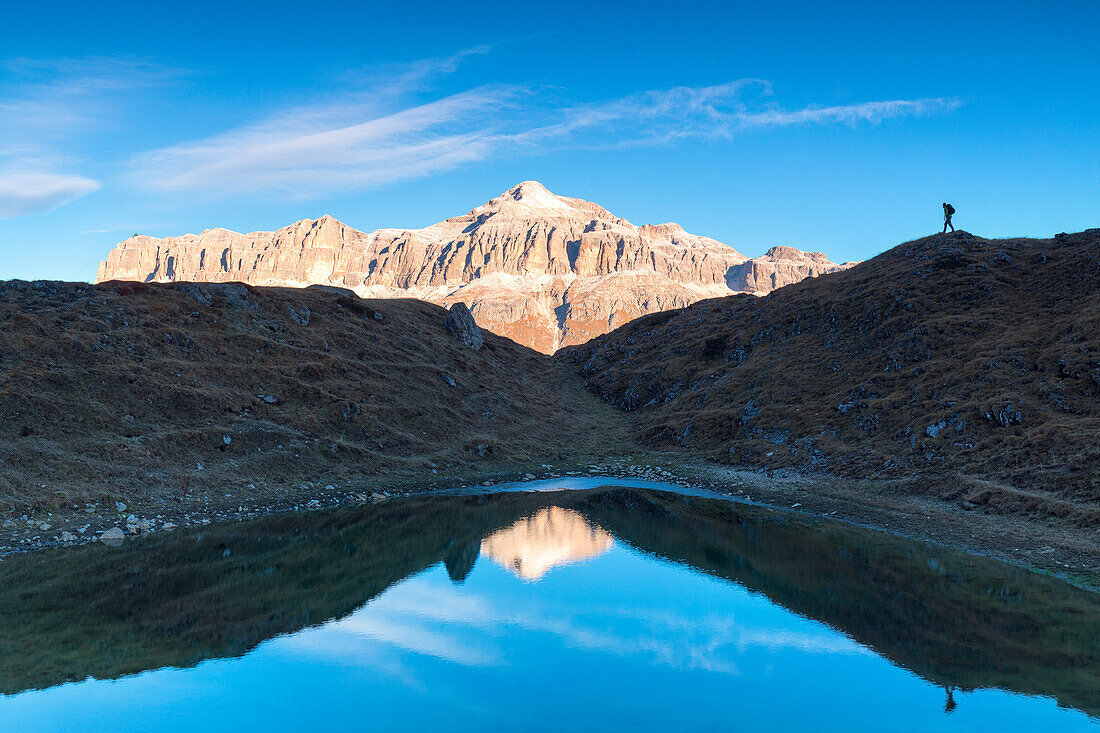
948 210
949 704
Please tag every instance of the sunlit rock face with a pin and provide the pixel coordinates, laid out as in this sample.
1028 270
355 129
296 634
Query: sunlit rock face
551 538
544 270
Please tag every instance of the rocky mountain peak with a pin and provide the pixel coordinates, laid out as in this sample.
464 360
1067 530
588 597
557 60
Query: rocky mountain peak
528 198
782 252
533 191
543 269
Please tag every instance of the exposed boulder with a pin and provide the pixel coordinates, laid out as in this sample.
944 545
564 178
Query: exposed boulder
114 536
460 322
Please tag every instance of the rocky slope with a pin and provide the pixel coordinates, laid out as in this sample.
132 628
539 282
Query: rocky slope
167 394
544 270
953 356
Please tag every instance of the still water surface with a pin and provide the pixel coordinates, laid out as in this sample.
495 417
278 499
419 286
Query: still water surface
604 609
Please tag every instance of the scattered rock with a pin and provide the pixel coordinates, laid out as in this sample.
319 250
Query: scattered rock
449 380
113 537
299 314
140 526
68 537
120 506
1006 415
351 411
237 295
197 292
269 398
460 322
168 526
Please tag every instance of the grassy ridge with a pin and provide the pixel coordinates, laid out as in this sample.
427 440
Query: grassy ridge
953 356
172 395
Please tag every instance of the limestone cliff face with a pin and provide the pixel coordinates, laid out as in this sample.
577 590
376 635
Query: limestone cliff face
779 266
545 270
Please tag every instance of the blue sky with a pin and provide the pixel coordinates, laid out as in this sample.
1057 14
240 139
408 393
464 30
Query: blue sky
834 127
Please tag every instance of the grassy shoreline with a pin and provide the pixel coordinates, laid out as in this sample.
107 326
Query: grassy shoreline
1068 553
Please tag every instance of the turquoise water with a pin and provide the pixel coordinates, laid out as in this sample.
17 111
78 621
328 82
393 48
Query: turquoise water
598 610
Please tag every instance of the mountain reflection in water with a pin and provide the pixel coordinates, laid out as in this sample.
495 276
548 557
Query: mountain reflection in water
959 622
550 538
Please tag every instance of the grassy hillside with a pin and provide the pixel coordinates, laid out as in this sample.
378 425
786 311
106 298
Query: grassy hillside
953 357
171 393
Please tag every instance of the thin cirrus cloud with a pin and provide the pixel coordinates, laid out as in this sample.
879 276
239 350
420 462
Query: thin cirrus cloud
338 148
29 192
374 132
366 140
48 109
714 112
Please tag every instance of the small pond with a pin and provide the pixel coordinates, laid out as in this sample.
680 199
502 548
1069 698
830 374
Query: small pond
600 608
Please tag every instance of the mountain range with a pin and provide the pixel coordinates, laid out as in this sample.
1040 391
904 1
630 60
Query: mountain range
547 271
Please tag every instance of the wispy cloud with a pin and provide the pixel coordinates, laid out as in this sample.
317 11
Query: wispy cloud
374 136
330 149
382 125
852 114
25 193
46 107
428 616
714 112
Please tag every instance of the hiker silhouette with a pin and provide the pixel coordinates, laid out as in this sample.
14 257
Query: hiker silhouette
948 210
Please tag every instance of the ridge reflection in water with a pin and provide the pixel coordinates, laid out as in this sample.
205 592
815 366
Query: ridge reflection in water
638 608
